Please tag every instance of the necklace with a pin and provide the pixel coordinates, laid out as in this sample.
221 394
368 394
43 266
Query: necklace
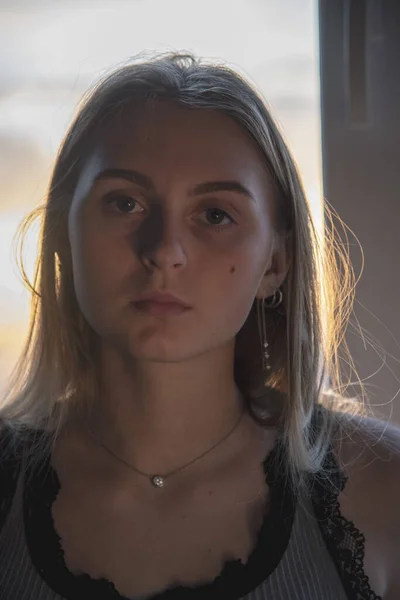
159 480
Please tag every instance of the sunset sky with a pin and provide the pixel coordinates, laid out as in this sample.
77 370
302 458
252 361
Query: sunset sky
51 51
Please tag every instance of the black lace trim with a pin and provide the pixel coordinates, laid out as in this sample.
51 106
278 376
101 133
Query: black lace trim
344 541
235 581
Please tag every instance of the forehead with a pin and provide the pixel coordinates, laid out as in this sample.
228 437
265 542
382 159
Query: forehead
172 139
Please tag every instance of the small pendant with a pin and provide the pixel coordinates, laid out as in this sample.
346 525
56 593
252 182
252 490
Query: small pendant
157 481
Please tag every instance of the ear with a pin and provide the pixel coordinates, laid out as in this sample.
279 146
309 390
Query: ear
278 267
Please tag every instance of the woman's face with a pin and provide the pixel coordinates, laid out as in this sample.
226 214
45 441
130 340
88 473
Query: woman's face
132 233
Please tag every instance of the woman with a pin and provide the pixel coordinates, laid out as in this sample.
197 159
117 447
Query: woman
189 449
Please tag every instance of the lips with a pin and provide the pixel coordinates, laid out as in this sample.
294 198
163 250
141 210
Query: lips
160 308
162 297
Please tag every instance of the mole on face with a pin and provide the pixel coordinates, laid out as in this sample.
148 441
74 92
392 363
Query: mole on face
232 269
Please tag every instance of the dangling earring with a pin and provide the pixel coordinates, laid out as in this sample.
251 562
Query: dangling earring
261 305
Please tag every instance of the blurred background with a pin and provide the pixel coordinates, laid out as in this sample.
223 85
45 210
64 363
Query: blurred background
315 64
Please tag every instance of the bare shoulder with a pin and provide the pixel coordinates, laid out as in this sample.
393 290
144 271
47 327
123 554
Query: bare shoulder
369 449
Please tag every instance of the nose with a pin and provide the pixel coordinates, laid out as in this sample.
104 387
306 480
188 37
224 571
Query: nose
159 241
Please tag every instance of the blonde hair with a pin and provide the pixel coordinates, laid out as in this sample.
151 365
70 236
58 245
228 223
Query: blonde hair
56 366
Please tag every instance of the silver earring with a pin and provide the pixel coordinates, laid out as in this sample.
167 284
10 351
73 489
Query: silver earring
261 305
276 299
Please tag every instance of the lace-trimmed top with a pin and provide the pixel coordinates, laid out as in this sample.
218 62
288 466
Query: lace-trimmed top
305 550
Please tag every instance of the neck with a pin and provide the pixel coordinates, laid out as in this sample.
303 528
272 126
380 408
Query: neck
160 416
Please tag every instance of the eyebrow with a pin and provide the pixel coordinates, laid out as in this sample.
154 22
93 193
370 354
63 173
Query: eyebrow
201 188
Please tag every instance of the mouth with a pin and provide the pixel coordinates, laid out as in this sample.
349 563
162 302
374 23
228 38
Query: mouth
154 308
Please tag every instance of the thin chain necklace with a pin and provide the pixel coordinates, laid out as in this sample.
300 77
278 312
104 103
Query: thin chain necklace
159 480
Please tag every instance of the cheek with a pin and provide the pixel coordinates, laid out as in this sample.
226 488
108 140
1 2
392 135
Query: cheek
242 278
241 284
99 257
97 273
243 266
235 297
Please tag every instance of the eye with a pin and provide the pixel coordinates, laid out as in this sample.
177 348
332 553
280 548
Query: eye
217 226
122 201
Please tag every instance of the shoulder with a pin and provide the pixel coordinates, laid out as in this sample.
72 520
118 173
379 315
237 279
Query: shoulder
369 450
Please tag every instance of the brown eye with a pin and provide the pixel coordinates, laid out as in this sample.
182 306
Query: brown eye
125 204
218 213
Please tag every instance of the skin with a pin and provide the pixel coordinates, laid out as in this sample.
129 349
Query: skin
167 389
